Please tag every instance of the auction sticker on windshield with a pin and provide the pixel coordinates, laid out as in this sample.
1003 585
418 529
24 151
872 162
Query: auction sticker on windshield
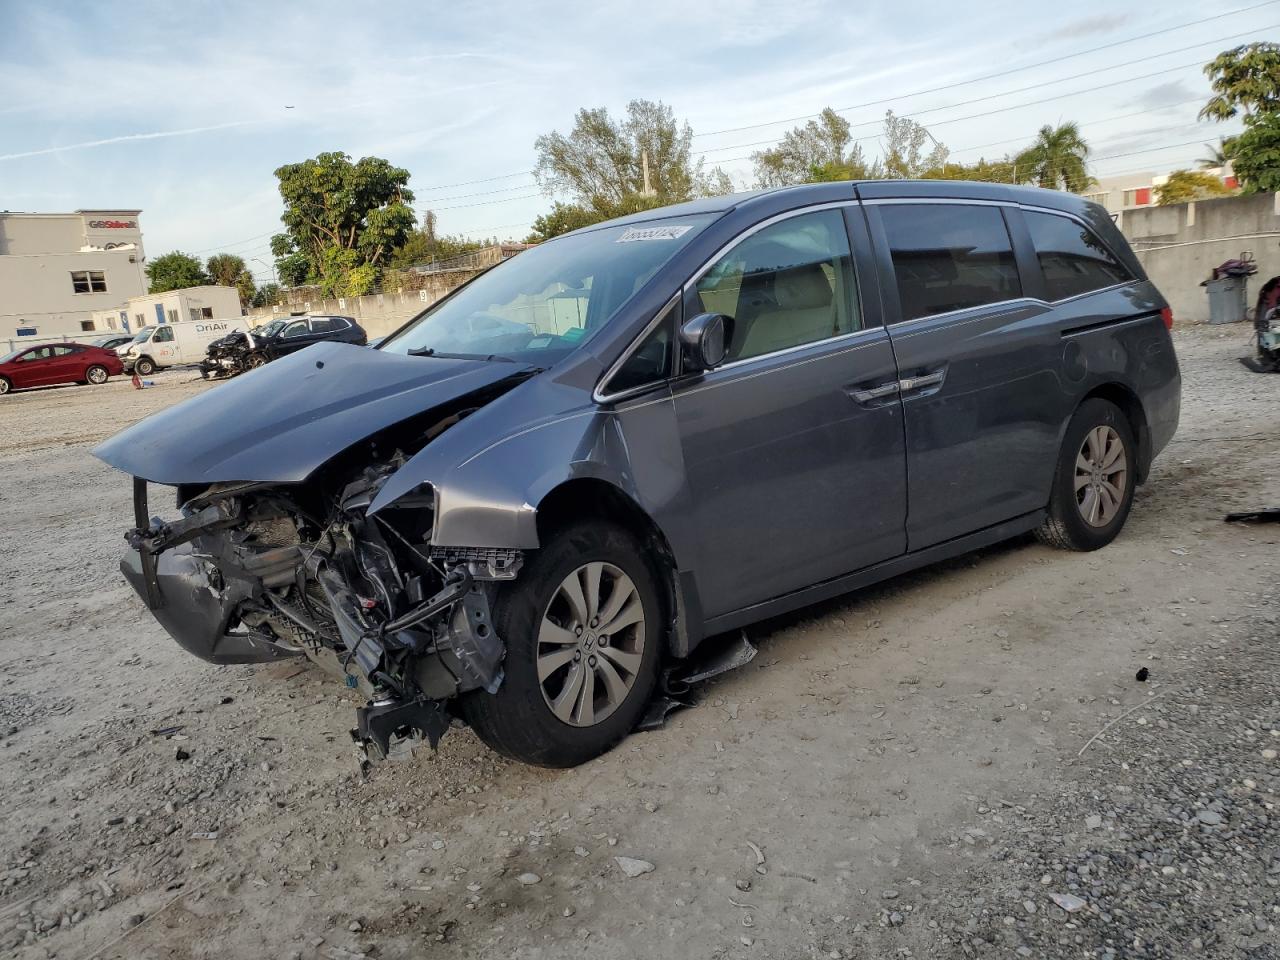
633 234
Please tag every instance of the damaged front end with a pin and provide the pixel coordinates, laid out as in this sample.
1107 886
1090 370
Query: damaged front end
256 572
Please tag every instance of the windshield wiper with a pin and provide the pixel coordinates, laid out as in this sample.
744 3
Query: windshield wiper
433 352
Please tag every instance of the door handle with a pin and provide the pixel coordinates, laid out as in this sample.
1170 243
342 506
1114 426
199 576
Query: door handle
868 394
907 384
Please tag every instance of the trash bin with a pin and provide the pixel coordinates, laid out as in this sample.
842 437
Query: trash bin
1227 299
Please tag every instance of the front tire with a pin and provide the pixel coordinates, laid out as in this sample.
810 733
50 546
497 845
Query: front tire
5 386
584 632
1095 479
144 367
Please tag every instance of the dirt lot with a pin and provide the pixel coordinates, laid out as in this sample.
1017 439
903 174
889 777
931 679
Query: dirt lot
906 760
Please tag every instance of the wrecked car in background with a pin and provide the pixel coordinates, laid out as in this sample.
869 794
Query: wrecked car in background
245 350
652 430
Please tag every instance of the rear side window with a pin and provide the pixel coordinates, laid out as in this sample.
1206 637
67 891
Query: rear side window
1073 259
949 257
323 325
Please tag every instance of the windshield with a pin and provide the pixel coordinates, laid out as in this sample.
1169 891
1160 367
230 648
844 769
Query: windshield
267 329
545 302
11 354
142 335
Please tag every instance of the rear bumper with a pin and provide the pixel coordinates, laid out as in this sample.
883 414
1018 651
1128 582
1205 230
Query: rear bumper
196 615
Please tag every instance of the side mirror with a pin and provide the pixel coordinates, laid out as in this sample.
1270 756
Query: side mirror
702 341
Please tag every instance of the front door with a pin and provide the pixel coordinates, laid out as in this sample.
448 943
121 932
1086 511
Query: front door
793 449
296 335
978 363
36 368
164 347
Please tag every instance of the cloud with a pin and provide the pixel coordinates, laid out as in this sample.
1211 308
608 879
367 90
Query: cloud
1086 26
1165 95
158 135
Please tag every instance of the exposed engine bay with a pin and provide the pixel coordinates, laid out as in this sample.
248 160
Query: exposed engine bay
230 355
254 572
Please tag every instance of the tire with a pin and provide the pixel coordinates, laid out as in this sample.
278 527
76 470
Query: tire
254 360
5 386
520 721
1084 511
144 366
97 375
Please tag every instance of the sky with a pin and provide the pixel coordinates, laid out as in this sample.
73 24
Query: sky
184 110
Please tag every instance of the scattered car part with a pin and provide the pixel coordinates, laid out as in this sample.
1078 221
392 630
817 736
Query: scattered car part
1268 515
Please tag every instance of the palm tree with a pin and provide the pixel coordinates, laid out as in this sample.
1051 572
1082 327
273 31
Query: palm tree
1219 155
1056 160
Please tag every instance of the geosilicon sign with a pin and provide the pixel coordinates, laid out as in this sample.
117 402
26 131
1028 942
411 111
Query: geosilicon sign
113 224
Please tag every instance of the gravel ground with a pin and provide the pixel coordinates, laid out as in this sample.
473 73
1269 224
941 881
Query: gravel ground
960 762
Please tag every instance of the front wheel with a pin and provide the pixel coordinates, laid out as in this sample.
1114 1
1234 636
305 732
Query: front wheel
96 375
1094 483
5 386
144 367
584 630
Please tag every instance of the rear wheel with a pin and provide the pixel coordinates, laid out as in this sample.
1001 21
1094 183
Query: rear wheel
96 375
144 367
583 629
1094 483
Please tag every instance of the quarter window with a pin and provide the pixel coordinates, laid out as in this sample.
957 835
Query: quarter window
88 281
650 362
786 285
949 257
1073 259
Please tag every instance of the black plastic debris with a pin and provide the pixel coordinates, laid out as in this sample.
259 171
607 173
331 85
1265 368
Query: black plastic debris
1266 515
181 755
675 687
1142 675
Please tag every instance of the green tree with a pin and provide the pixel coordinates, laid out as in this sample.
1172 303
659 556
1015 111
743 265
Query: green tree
600 162
1186 185
1219 154
1056 160
268 295
984 171
821 150
904 145
562 218
1245 80
229 270
175 271
425 245
340 216
1257 154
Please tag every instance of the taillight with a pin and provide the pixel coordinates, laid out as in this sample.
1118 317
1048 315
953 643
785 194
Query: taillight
1166 314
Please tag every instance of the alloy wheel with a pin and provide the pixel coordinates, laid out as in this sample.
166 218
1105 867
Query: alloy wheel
96 375
1102 476
590 644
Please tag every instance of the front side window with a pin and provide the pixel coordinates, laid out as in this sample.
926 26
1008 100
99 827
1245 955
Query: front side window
298 328
88 281
39 353
1073 259
163 335
786 285
541 305
949 257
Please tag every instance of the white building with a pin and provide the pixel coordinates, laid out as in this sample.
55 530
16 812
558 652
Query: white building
58 269
1132 191
192 303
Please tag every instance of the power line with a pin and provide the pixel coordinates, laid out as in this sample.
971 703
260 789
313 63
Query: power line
991 76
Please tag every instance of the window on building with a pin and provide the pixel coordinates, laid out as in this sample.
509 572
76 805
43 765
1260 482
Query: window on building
1139 197
86 325
140 319
88 281
25 331
786 285
206 313
949 257
172 315
1096 198
1073 259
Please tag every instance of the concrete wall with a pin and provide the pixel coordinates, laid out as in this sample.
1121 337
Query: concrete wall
378 313
1180 245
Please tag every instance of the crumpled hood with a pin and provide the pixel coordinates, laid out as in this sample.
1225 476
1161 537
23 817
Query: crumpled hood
280 422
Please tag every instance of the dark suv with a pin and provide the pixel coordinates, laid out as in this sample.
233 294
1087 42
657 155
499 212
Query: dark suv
240 351
652 430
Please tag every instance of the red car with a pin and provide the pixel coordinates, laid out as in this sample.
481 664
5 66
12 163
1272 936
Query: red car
57 363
